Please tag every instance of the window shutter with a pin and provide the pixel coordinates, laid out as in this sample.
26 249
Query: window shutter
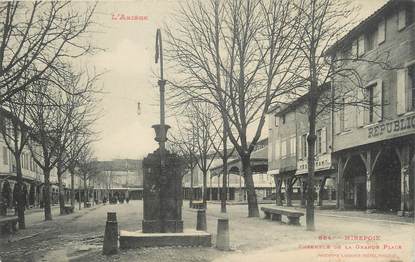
360 110
348 114
401 19
293 146
378 101
409 89
323 140
401 92
382 31
361 46
354 50
283 148
337 122
277 150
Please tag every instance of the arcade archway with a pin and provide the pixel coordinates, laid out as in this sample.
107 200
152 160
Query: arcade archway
388 181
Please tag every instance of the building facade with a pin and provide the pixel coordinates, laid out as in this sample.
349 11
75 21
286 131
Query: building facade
364 150
288 152
33 179
374 145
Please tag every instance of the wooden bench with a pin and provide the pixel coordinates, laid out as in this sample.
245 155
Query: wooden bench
276 213
8 224
68 209
198 205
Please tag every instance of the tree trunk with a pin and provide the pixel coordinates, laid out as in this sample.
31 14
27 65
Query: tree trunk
46 195
191 186
72 189
288 191
61 193
79 195
278 183
20 194
205 195
224 182
321 191
311 140
85 191
61 190
250 187
303 186
225 171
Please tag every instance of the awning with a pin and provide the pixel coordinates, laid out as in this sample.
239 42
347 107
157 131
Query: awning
258 165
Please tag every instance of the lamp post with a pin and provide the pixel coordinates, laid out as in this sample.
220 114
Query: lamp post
161 131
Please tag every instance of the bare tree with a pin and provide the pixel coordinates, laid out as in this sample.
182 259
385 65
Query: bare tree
36 38
72 154
237 56
50 119
199 129
80 113
184 146
223 152
87 170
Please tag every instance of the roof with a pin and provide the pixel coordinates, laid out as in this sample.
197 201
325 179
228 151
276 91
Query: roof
120 165
297 102
366 23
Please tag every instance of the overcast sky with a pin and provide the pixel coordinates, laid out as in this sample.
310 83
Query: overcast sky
129 60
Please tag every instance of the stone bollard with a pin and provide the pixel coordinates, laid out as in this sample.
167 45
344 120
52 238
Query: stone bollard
222 238
111 235
201 220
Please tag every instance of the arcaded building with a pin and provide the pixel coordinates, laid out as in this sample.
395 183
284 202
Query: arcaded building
366 146
373 145
288 152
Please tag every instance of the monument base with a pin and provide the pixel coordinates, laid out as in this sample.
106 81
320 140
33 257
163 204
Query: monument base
137 239
154 226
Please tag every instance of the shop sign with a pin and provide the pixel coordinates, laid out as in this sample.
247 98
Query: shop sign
322 162
405 123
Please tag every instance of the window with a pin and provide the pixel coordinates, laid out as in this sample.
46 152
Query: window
355 51
370 40
403 96
374 98
361 46
411 72
293 146
277 119
283 119
23 161
370 99
318 142
342 119
27 161
22 157
402 18
31 164
347 53
382 31
324 140
5 156
409 16
304 145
